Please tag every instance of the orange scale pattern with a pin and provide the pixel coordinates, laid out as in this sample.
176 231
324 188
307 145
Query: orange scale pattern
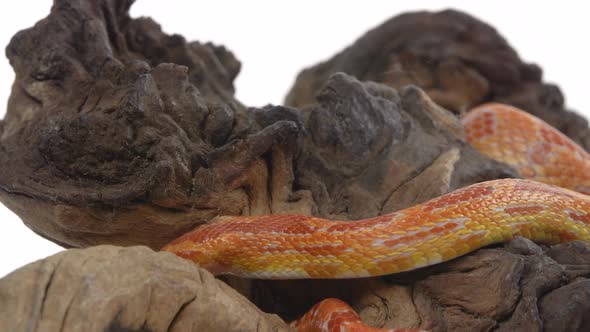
333 315
535 149
436 231
293 246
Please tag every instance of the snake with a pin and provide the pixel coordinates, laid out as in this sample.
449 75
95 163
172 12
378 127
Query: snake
547 205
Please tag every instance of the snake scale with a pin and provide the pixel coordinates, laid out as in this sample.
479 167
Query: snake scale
297 246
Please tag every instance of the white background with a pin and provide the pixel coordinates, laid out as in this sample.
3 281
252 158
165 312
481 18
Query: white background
275 40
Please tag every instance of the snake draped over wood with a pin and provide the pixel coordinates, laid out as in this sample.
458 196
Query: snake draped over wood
297 246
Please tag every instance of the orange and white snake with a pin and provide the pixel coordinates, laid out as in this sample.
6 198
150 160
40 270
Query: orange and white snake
296 246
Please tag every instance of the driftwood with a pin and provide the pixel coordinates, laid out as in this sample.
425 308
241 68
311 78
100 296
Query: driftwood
119 134
458 60
105 141
107 288
521 287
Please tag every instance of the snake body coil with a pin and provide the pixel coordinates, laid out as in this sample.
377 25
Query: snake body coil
535 149
295 246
